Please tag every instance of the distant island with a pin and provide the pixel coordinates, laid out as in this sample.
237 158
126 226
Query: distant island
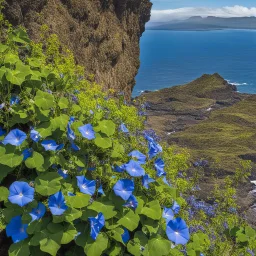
208 23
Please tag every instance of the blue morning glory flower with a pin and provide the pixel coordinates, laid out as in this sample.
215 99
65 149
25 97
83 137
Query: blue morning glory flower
159 165
141 158
75 147
86 186
27 153
97 224
125 236
34 135
63 174
71 194
14 100
154 149
57 204
124 188
2 131
101 191
74 99
16 229
87 131
70 133
15 137
91 169
131 202
60 147
166 181
2 105
38 212
146 180
168 214
50 145
72 119
176 207
148 138
80 168
119 169
134 169
21 193
123 128
177 231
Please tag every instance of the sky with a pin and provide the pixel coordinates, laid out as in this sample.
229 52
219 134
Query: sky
165 10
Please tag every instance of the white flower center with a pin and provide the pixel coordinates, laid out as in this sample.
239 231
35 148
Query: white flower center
176 232
20 194
84 186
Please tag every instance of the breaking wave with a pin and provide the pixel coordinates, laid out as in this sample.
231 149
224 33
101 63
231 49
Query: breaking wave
235 83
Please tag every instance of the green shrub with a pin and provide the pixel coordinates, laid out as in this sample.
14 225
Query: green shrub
46 147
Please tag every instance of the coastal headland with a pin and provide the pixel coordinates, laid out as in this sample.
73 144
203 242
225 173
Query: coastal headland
214 122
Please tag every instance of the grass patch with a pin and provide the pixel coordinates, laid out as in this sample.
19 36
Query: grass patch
228 134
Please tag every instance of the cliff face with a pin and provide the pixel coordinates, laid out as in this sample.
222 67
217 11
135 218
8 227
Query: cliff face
103 34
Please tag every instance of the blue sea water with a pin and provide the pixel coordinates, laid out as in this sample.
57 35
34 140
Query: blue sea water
171 58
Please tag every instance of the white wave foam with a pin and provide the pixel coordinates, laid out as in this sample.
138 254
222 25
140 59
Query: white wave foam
235 83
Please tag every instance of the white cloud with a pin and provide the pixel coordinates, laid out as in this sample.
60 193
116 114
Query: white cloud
186 12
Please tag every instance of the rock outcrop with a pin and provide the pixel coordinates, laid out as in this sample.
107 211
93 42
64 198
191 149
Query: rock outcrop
103 34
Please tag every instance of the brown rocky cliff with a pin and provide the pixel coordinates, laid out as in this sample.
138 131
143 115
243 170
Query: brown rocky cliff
103 34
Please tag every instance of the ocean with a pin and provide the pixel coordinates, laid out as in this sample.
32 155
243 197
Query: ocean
171 58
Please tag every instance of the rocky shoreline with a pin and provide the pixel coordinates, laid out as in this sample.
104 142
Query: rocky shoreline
186 116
